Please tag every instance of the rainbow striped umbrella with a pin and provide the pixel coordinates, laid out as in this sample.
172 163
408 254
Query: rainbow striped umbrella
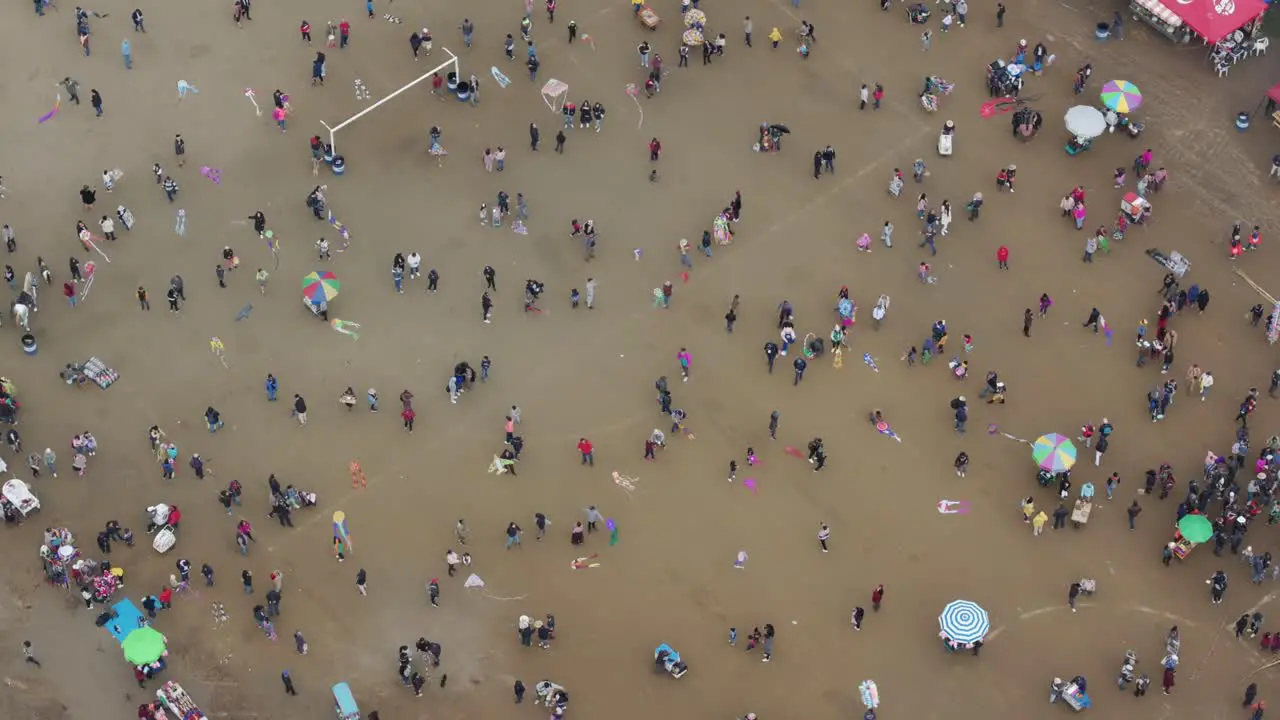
1054 453
320 286
1121 96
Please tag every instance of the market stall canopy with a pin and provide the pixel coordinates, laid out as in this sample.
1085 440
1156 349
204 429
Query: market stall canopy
964 622
1157 8
1121 96
143 646
1216 19
1195 528
1085 122
1274 92
1054 453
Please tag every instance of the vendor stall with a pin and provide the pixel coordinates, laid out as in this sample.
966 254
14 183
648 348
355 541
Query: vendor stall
1073 693
1080 513
1213 20
1191 531
1161 19
17 494
963 625
176 700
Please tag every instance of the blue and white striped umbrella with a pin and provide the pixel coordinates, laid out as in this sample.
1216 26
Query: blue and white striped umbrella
964 622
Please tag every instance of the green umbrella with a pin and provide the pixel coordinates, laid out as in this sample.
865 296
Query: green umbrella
1195 528
143 646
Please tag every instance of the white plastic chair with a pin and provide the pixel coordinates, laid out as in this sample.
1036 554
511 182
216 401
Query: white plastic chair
1223 69
1260 45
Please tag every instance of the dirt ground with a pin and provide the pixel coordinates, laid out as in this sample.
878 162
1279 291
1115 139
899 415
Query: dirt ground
581 373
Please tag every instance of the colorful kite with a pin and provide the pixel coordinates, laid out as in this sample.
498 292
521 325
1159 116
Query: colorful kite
185 87
953 507
346 327
500 466
870 361
57 105
214 174
634 93
883 428
337 225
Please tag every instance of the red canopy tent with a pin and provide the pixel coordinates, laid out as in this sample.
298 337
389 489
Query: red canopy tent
1274 93
1216 19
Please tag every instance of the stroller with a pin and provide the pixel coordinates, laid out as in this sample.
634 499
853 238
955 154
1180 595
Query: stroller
666 658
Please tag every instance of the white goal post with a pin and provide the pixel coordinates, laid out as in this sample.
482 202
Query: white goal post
445 67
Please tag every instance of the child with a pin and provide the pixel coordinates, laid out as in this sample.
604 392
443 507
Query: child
1086 434
733 470
574 298
962 464
924 272
754 638
733 636
484 214
751 457
968 343
910 357
1120 174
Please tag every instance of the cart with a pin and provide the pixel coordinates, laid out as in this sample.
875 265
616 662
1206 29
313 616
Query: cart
1080 513
18 494
1072 693
648 18
1182 547
344 703
177 701
1135 208
667 658
164 540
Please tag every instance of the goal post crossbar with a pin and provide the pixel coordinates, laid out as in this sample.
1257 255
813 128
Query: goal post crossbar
452 62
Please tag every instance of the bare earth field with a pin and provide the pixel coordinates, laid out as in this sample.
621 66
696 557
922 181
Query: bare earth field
577 373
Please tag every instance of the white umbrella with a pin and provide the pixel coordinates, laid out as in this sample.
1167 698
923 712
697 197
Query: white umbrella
1085 122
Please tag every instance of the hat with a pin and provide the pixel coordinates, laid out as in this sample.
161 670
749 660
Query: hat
537 624
961 399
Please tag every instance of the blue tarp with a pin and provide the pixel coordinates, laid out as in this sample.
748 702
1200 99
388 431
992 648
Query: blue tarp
129 618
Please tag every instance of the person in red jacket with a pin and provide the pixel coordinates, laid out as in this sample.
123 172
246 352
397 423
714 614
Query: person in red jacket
305 29
1002 257
69 291
344 33
655 149
588 452
175 517
876 596
166 597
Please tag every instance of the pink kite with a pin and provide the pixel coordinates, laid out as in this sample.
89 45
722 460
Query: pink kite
57 105
750 484
794 452
213 174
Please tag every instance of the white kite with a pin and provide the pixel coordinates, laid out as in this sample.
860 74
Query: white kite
498 77
185 87
473 582
554 94
626 482
248 92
